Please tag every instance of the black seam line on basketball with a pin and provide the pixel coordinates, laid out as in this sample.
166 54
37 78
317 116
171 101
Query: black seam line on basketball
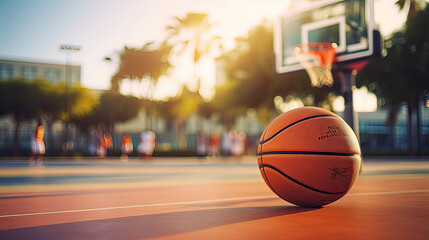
306 153
265 132
290 125
263 170
297 182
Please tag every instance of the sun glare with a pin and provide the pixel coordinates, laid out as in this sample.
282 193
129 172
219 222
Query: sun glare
228 26
363 101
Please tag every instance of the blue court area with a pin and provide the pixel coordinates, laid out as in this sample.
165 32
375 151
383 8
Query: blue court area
106 171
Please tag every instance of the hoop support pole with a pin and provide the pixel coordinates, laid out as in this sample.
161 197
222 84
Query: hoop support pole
348 80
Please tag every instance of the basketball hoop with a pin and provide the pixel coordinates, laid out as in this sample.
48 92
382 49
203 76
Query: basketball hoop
317 59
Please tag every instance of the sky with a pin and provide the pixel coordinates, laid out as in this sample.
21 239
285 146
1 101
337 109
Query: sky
34 30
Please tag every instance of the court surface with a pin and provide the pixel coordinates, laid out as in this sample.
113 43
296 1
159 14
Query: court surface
187 198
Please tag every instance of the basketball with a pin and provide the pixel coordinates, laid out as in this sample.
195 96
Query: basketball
309 156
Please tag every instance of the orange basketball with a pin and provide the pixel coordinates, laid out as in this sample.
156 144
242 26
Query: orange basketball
309 156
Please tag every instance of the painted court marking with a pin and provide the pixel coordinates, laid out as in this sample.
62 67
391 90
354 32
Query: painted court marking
200 202
141 206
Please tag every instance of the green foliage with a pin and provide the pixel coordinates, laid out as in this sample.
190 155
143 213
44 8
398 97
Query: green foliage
21 99
402 76
192 33
27 100
82 102
117 108
251 67
53 101
181 107
111 108
413 6
253 83
137 63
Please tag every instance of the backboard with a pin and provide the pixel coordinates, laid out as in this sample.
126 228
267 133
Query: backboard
348 23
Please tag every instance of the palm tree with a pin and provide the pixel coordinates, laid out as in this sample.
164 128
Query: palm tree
191 34
401 76
413 115
414 6
141 63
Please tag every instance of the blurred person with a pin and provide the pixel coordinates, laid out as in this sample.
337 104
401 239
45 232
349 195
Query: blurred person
92 142
214 144
147 144
237 143
201 144
226 143
37 146
243 142
101 143
126 147
108 142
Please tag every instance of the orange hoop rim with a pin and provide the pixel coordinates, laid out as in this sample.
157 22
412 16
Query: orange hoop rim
316 46
317 59
324 51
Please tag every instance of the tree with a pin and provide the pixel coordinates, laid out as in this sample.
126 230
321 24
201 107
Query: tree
251 80
141 63
414 6
28 100
81 101
179 109
111 108
402 75
22 100
192 33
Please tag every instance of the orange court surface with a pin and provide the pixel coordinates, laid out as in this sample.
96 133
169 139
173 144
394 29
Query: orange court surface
188 198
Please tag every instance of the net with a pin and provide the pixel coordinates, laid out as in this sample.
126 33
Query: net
317 59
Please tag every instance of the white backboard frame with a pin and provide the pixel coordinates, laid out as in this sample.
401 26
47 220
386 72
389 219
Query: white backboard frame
345 53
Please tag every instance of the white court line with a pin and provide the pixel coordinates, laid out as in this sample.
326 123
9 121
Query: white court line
141 206
201 202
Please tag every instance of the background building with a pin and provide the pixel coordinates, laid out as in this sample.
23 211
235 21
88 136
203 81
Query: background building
31 70
52 72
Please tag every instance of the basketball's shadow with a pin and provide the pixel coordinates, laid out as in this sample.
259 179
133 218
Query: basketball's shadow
151 226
